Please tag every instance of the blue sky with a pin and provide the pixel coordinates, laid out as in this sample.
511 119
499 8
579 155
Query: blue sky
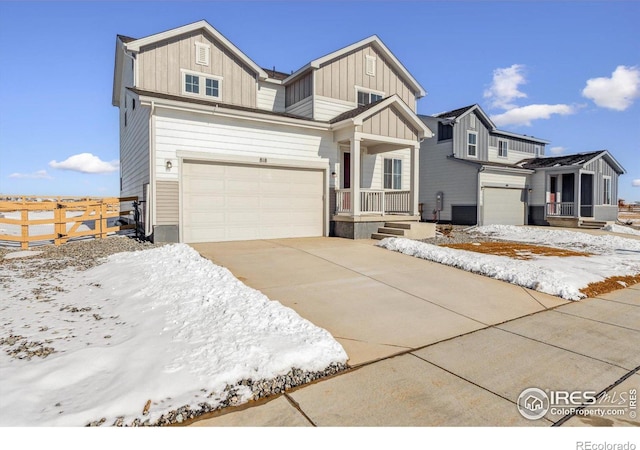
568 72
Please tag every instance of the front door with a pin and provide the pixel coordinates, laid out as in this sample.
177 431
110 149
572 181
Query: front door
586 195
346 171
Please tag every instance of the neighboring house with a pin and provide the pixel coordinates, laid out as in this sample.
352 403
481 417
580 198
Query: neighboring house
472 173
222 149
572 189
474 166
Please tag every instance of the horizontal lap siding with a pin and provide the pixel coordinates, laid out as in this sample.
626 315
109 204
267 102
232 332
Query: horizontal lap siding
160 64
303 108
177 130
325 109
134 150
270 97
167 203
338 78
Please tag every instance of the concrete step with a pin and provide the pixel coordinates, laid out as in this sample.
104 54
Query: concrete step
592 224
380 236
390 230
400 225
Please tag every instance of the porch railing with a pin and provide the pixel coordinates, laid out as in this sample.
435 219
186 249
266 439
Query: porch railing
374 201
561 209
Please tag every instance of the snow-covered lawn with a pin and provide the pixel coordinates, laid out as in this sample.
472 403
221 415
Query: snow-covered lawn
560 276
614 228
163 324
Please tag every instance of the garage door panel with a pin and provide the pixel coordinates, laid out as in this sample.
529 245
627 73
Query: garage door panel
235 202
503 206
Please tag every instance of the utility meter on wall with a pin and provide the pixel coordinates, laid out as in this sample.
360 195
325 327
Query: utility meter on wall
439 200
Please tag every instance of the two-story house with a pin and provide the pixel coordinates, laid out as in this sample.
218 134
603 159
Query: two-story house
220 148
472 173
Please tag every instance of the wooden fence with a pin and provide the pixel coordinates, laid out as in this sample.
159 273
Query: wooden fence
59 219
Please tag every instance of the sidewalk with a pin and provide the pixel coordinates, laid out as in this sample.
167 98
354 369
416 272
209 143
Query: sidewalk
431 345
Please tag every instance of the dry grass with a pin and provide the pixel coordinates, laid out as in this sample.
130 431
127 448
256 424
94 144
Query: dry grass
515 250
610 284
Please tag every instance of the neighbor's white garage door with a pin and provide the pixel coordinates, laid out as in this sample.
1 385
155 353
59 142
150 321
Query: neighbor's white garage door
233 202
503 206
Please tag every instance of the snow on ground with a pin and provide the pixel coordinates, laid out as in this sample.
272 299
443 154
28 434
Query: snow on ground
622 229
560 276
163 324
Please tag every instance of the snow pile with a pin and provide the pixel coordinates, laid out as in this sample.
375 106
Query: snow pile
181 328
560 276
622 229
573 240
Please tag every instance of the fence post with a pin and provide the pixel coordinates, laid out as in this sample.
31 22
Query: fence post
103 219
57 224
24 217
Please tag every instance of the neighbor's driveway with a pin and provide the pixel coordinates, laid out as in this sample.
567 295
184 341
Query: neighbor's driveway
463 351
375 302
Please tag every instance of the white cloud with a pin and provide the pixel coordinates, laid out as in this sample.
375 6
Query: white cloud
504 88
525 114
636 182
557 150
85 163
40 174
617 92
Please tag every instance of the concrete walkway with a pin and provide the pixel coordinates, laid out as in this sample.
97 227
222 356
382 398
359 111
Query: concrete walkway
430 345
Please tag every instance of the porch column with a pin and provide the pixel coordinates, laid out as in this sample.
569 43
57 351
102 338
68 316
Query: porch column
355 176
413 183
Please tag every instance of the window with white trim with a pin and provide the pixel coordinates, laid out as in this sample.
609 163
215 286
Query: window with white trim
370 65
537 150
606 190
202 54
365 98
392 173
472 121
202 85
472 144
503 148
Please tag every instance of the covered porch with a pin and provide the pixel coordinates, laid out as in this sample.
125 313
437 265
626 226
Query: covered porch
375 175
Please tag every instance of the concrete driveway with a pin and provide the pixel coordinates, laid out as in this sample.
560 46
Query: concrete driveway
375 302
431 345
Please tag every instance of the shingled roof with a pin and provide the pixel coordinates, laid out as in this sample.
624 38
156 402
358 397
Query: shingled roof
354 112
276 75
455 113
557 161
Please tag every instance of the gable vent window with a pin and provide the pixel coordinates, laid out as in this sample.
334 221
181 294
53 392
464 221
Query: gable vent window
202 54
370 63
472 121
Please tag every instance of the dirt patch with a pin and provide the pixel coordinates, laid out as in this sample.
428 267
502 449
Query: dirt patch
515 250
609 285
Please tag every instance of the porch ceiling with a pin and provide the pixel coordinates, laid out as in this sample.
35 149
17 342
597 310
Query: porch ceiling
381 145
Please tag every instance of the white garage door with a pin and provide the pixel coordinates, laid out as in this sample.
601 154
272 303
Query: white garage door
232 202
503 206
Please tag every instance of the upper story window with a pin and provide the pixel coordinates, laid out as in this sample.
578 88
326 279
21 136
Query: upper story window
392 173
202 54
537 150
202 85
503 147
370 65
365 98
444 131
606 190
472 144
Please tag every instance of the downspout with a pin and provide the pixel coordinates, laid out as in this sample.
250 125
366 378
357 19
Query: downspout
152 172
478 195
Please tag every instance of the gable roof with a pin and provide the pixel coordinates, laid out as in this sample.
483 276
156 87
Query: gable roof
456 114
137 44
379 45
357 115
576 159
